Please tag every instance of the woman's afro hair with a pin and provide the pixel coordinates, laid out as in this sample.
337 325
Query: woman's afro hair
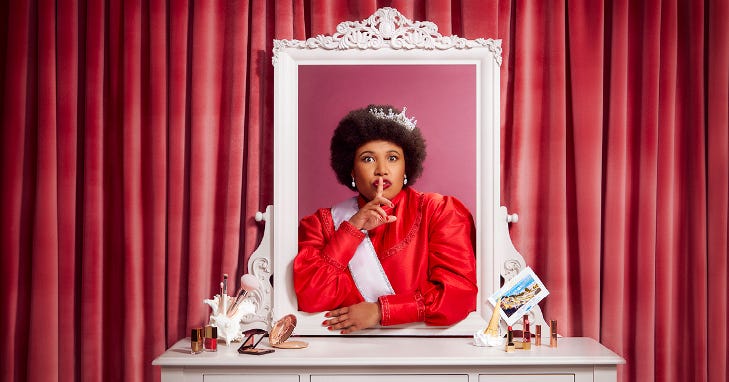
360 127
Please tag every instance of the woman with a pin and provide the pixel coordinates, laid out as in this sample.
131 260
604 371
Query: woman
391 255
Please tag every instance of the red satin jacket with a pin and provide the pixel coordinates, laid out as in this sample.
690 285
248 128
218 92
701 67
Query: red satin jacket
427 254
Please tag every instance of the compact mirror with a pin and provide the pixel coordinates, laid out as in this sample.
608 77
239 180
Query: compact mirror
281 332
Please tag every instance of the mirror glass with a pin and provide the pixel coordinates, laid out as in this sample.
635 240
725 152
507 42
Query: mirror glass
443 107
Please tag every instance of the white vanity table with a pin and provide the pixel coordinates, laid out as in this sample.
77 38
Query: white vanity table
355 359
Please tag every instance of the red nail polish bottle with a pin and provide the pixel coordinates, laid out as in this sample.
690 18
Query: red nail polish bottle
211 338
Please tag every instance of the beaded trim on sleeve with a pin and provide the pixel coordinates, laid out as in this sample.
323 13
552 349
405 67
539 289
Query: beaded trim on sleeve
385 306
352 230
411 232
325 215
420 302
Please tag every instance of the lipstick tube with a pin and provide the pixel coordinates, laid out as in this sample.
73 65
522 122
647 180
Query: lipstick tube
538 336
553 334
509 340
526 335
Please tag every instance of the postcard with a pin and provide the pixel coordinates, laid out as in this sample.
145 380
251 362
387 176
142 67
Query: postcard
519 295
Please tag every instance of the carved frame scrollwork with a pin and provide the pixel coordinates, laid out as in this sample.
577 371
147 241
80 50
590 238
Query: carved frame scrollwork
387 28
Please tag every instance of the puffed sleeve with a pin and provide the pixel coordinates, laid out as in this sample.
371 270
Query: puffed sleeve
450 292
322 280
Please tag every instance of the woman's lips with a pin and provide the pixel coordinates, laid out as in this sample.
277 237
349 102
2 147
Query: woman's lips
385 184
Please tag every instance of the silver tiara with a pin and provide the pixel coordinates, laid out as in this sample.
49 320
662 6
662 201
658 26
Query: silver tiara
401 119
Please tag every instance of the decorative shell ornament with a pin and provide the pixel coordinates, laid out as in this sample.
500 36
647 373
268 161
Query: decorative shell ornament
490 336
228 311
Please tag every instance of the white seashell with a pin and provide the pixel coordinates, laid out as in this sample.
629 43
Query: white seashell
482 339
229 327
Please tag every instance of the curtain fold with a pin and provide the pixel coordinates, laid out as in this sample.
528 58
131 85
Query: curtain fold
717 158
137 140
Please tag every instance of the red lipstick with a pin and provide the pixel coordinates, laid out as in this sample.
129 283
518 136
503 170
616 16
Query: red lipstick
385 184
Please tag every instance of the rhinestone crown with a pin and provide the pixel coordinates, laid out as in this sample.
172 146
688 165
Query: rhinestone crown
401 119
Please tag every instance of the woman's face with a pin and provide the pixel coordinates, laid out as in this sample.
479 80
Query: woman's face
375 160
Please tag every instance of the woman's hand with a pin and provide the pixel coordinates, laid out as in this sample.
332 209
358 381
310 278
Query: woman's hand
372 215
353 318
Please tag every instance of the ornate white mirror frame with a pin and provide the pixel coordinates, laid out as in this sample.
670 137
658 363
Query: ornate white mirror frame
385 38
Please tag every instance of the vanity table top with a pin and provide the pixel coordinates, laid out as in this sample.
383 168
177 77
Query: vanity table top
400 351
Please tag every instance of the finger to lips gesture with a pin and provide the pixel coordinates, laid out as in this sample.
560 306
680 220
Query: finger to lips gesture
371 215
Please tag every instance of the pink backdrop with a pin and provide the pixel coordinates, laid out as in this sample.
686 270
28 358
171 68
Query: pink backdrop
444 106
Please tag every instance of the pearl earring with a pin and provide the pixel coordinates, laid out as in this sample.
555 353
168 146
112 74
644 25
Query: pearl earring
353 184
405 181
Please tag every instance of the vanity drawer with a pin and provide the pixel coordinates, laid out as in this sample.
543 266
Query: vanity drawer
526 378
391 378
250 378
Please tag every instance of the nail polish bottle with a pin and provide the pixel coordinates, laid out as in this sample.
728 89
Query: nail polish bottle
196 340
211 338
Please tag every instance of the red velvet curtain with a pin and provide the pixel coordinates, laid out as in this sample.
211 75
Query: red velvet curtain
136 148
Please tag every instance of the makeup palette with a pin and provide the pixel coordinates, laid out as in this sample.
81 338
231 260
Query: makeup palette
278 338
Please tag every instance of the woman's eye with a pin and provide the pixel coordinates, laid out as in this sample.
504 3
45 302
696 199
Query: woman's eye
393 158
368 159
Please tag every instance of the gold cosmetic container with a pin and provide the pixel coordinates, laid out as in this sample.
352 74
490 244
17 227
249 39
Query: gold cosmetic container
196 340
553 334
538 336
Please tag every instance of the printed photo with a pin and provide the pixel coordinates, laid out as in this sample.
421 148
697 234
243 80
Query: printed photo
519 295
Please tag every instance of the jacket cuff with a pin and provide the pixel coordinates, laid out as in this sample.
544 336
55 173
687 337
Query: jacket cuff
342 245
400 309
352 230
